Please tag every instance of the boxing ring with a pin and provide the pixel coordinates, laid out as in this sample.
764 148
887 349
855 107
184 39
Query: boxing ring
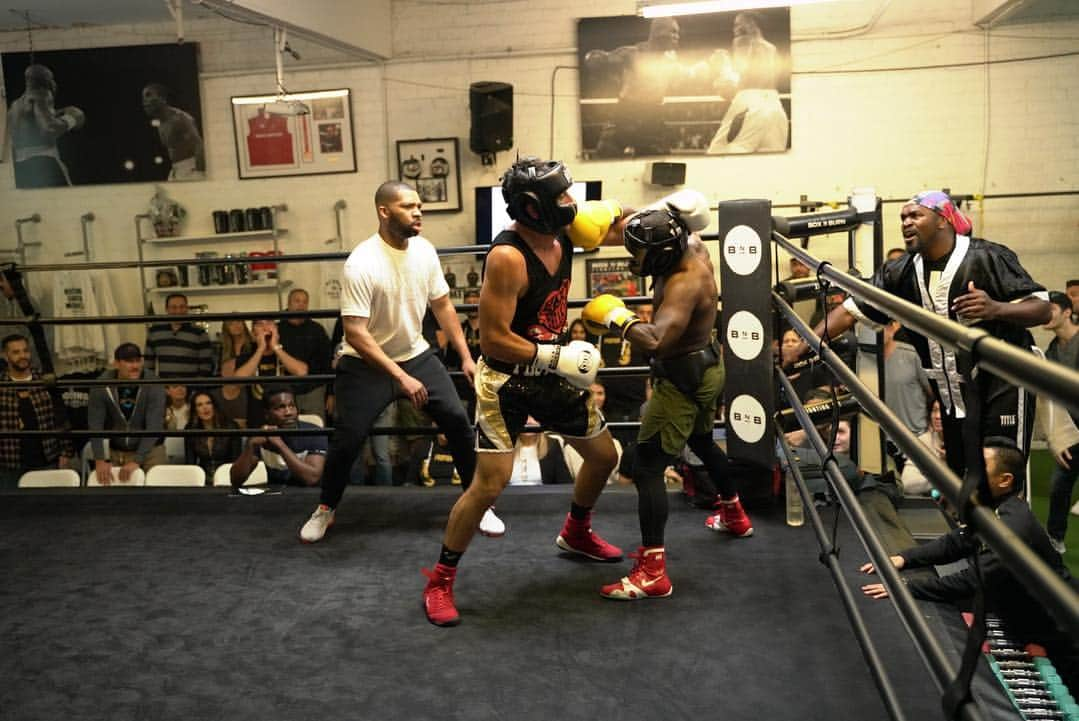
168 603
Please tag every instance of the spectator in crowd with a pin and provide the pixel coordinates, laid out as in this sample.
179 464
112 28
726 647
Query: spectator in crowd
625 394
1023 616
538 458
431 464
1063 349
573 458
805 373
268 359
306 341
293 460
798 269
121 406
894 254
470 327
1072 291
236 341
210 452
578 331
28 409
908 393
177 408
810 462
178 349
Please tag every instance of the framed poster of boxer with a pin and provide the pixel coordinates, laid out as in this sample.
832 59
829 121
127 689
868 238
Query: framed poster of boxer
307 133
432 167
612 275
127 114
710 84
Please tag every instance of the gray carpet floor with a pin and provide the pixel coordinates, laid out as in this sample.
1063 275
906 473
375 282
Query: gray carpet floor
148 604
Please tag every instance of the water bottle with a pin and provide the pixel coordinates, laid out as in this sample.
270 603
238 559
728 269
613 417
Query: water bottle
795 513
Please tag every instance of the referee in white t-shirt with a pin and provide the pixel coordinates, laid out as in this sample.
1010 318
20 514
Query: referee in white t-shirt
387 284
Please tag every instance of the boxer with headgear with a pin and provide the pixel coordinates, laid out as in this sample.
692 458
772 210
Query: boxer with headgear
687 379
526 370
35 125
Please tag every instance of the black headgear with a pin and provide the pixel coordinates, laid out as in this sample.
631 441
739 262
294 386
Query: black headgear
661 236
531 189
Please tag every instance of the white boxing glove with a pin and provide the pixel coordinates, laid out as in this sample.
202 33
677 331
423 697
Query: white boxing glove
577 361
689 205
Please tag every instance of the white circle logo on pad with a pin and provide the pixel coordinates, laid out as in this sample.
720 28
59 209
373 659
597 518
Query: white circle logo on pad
745 335
742 249
746 418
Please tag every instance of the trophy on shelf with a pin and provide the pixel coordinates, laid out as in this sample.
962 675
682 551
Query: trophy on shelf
165 214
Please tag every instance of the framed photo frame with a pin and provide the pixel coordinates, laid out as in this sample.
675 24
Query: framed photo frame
612 275
307 133
433 167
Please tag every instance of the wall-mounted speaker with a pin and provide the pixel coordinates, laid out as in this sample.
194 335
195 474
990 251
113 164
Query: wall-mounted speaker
668 173
491 107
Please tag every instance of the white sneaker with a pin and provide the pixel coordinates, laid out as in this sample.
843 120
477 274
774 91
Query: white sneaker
317 525
1057 545
491 525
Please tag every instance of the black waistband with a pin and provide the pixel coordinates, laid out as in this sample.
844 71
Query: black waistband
504 367
707 355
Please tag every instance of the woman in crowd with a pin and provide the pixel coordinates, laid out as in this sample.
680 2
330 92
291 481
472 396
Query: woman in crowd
236 340
209 452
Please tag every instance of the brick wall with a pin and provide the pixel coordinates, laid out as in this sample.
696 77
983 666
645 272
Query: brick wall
897 130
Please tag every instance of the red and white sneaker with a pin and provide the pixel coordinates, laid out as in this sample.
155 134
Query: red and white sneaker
578 537
647 579
438 596
731 518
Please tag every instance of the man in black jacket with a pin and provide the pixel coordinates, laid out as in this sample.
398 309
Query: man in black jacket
1006 596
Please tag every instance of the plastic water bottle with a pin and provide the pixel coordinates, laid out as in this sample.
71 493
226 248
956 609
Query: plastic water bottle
795 513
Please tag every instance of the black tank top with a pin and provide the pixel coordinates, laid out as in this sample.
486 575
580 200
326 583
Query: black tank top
541 311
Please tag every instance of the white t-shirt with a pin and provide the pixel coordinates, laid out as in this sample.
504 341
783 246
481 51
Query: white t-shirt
391 288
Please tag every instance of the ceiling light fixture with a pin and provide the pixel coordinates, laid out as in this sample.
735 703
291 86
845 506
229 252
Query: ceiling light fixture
661 10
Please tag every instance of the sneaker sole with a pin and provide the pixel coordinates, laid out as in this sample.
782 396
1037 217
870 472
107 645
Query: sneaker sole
561 543
492 535
747 534
308 543
638 598
443 624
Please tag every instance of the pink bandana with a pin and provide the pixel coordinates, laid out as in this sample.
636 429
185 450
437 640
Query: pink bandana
939 202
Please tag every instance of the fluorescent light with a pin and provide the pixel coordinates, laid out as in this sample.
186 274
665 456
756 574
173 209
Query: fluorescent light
663 10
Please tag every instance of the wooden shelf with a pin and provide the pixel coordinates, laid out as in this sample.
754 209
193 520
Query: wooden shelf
246 235
261 285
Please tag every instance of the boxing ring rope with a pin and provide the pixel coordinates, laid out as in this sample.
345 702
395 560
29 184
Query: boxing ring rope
830 558
942 669
993 355
989 353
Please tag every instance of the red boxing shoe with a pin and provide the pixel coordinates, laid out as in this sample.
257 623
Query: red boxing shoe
438 596
647 579
578 537
731 518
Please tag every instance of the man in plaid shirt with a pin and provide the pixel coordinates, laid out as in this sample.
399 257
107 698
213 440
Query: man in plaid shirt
28 409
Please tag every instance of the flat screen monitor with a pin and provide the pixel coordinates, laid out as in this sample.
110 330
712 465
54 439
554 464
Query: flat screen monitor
491 216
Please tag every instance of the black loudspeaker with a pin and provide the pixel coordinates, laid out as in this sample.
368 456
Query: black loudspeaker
491 105
668 173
